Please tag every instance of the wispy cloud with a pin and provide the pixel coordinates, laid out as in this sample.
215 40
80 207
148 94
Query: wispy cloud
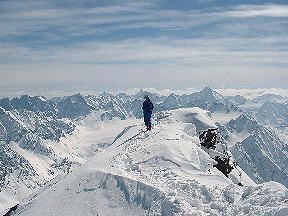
120 37
268 10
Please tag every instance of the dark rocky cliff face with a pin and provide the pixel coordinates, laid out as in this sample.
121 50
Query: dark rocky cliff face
211 139
208 138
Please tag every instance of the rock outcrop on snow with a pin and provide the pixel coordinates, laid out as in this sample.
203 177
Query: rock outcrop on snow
217 148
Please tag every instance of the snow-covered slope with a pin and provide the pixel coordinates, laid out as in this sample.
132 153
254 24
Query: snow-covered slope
26 102
170 102
73 107
263 156
42 138
261 152
165 171
274 114
237 99
25 168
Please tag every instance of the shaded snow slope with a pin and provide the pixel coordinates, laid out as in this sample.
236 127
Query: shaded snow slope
160 172
260 152
263 156
274 114
24 168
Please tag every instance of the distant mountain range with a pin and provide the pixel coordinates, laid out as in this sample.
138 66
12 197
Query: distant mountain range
31 129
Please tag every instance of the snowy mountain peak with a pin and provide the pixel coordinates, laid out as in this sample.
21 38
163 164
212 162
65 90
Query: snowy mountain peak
171 102
207 89
153 96
237 99
26 102
73 107
172 97
209 93
105 94
243 124
75 98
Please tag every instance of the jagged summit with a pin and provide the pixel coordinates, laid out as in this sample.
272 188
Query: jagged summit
153 96
73 107
210 100
207 90
171 102
26 102
105 94
210 94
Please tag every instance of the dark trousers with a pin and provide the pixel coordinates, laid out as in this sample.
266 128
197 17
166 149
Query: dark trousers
147 119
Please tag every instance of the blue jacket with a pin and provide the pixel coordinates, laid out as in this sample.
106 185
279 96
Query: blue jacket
147 106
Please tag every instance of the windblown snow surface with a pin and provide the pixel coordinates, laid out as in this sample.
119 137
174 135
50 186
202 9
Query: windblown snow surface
160 172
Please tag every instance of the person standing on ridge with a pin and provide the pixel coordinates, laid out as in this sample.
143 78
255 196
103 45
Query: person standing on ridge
147 111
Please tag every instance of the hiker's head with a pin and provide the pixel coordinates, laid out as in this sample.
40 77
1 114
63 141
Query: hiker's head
146 97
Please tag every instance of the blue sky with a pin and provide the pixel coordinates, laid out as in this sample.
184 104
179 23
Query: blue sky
74 45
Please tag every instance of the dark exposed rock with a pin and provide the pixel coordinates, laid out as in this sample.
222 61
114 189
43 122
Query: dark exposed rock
208 138
223 165
211 139
11 210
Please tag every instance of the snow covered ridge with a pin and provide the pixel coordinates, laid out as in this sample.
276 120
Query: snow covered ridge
165 171
43 138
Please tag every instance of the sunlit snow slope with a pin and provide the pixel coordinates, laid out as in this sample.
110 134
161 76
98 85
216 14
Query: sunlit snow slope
160 172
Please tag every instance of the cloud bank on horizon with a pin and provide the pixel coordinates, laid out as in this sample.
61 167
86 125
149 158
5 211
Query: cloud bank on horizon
107 44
